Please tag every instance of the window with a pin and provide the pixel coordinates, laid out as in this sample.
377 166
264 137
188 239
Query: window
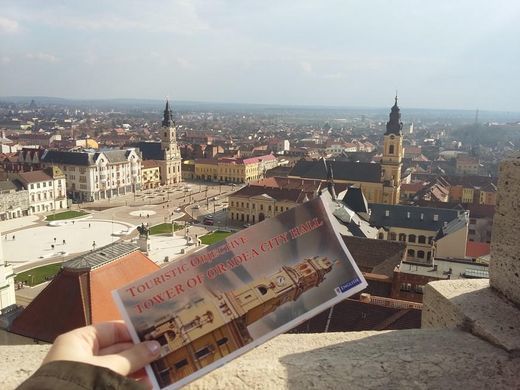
269 207
402 237
422 240
419 289
410 253
222 341
381 236
393 236
412 238
180 364
391 149
406 287
420 254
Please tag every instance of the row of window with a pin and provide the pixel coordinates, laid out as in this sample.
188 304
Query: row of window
43 185
253 206
408 287
419 255
412 238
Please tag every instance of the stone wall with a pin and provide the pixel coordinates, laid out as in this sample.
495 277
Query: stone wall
504 269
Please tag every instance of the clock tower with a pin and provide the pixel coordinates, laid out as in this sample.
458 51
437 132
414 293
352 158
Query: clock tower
391 162
170 165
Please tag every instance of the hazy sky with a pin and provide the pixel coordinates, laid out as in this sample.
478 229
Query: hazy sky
438 54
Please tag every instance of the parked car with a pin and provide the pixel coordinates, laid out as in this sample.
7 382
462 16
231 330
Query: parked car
195 207
208 221
178 210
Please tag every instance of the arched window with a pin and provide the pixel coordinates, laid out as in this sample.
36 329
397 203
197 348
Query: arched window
410 253
393 236
420 254
412 238
381 236
402 237
422 240
391 149
428 255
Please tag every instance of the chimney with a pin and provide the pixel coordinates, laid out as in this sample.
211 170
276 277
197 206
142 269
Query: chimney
365 298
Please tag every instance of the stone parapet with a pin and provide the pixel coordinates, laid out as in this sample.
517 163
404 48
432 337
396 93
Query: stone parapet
408 359
473 306
504 268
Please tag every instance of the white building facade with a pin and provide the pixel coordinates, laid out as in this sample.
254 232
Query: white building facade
92 176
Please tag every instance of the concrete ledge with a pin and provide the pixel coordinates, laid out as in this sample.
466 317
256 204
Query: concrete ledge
473 306
411 359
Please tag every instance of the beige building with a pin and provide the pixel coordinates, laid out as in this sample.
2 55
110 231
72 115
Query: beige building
271 196
47 189
428 232
467 165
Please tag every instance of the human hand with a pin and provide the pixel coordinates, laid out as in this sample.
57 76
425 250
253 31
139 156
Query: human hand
107 344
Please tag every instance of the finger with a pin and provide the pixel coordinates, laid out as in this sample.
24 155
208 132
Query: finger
116 348
109 333
131 360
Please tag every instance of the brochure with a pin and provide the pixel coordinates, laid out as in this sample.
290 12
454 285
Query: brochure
217 303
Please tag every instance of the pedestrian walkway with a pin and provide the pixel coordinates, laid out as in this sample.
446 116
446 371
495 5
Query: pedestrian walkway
64 238
18 223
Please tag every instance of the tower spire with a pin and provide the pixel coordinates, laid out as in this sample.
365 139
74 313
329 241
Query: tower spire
394 125
168 115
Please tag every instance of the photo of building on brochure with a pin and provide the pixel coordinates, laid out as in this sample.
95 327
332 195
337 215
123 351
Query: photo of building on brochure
217 303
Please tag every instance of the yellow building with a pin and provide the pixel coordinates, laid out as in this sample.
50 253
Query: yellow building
269 197
150 174
213 327
234 170
380 183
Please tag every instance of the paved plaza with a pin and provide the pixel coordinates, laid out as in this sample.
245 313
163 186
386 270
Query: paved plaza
67 237
110 221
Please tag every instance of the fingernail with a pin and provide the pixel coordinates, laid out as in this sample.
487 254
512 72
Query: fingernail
153 346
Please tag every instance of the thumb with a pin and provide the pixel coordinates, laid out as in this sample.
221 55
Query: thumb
131 359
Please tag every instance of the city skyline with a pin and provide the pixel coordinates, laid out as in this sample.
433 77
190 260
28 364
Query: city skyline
305 53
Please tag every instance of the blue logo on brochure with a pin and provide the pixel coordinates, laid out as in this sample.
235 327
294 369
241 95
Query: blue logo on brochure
348 285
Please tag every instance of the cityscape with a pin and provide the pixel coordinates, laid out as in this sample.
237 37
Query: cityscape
97 191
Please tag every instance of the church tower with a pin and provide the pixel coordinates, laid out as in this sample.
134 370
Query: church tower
170 166
391 162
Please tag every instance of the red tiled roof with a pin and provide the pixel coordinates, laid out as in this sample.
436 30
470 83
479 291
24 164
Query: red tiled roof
412 187
56 310
80 296
147 164
34 176
477 249
111 276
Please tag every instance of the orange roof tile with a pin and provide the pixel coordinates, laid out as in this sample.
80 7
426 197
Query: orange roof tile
114 275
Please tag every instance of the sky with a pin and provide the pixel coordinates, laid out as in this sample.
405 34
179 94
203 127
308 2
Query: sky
462 54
